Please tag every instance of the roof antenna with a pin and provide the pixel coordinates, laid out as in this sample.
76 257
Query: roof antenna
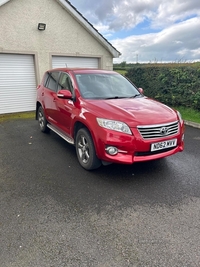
66 65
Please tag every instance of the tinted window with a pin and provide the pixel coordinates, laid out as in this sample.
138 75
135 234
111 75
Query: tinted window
45 79
102 86
52 80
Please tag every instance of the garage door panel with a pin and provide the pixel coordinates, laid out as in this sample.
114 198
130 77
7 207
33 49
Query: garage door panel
17 83
75 62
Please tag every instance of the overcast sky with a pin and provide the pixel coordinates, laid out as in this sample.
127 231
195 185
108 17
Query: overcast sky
147 30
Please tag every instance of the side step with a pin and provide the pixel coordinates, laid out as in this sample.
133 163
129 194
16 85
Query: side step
65 137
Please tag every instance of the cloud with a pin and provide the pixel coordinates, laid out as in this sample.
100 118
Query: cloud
175 11
126 14
178 42
158 30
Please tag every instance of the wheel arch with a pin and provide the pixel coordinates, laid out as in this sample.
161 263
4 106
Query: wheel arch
78 125
85 149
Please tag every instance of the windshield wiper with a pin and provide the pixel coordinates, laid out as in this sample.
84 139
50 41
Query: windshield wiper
115 97
119 97
135 95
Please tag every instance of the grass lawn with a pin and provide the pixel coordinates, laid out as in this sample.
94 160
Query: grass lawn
21 115
122 72
189 114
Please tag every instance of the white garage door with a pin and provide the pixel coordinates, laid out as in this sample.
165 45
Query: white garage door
17 83
75 62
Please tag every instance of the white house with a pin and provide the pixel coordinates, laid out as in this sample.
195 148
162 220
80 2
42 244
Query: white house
36 35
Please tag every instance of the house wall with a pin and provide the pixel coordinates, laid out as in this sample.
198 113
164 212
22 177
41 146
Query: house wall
63 35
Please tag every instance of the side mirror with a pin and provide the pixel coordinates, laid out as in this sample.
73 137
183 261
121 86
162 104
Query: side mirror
66 94
141 91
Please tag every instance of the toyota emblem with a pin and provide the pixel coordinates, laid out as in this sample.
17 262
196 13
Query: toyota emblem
164 130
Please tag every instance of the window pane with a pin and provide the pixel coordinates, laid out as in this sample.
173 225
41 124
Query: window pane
52 80
65 82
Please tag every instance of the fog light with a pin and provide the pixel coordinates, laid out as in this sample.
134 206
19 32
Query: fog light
111 150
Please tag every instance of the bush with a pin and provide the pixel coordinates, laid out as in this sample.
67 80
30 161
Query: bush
172 85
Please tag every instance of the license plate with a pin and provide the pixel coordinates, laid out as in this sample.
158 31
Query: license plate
163 145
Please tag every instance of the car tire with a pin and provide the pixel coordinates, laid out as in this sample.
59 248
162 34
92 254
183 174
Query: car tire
42 120
85 150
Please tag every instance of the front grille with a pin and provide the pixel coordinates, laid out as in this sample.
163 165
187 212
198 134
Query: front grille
158 131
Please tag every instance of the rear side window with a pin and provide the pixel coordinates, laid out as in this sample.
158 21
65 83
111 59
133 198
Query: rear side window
51 80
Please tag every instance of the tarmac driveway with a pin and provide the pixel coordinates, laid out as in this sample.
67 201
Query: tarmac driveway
53 213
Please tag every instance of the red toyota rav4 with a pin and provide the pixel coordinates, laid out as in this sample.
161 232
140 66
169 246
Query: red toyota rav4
106 117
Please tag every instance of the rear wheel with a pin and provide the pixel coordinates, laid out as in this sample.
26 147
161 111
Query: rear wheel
85 150
42 121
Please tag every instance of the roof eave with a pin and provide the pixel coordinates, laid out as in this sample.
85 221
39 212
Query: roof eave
3 2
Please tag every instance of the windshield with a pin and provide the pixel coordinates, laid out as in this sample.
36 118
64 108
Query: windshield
105 86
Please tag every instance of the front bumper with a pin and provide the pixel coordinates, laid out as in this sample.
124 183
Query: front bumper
133 148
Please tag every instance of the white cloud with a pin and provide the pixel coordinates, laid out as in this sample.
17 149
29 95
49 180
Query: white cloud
173 11
176 22
178 42
123 14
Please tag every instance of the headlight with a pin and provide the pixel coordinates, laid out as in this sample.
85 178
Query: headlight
179 116
114 125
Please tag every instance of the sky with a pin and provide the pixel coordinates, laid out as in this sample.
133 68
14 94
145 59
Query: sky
147 30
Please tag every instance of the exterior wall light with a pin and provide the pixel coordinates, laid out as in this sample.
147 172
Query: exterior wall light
41 26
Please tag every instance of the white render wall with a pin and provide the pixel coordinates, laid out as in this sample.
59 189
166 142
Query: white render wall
63 35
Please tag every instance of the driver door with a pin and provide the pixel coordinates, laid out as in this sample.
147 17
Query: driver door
65 107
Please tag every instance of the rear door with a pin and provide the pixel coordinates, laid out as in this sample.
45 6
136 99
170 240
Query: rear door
65 107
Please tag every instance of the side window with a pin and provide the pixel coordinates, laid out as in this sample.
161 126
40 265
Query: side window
52 80
65 82
45 79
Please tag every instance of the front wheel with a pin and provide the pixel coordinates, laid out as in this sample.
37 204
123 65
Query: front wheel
42 120
85 150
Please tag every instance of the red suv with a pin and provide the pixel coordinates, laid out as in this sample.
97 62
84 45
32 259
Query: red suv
106 117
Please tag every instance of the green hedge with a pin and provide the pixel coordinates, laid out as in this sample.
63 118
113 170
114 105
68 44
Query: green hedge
172 85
